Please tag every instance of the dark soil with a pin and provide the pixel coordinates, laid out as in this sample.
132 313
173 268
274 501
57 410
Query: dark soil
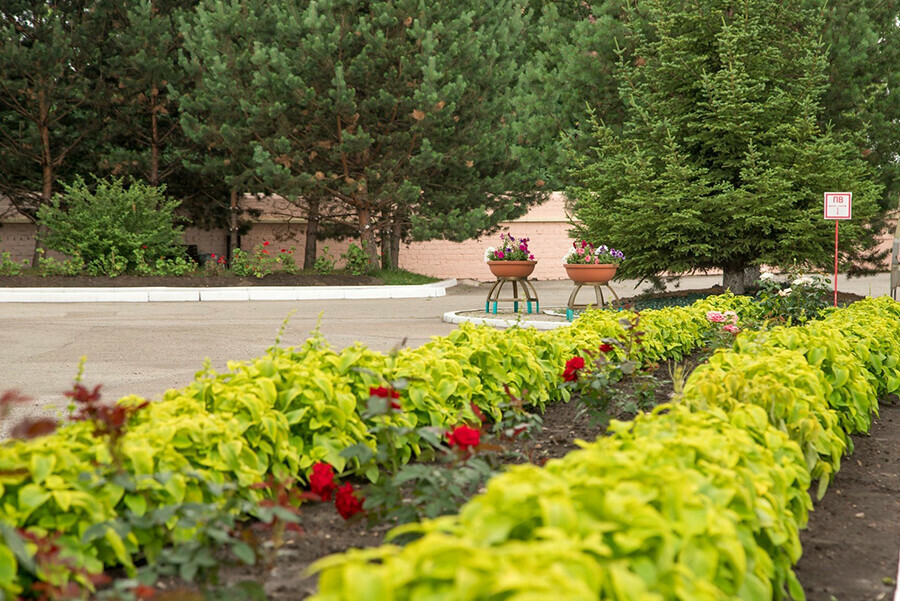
850 548
191 281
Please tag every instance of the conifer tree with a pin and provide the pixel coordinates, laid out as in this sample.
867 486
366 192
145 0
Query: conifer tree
144 135
721 161
404 112
862 38
49 76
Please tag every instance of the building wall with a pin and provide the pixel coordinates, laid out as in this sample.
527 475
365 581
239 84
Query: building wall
282 225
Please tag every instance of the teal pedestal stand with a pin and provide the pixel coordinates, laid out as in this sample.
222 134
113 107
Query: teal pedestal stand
522 292
598 292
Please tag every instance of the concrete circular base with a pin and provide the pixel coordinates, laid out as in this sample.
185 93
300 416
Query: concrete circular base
500 321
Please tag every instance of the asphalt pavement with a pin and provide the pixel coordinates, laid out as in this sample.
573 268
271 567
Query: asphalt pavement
147 348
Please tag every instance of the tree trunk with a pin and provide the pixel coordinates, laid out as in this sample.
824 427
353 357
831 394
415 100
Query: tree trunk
47 181
367 236
233 225
154 137
312 233
386 243
738 278
395 244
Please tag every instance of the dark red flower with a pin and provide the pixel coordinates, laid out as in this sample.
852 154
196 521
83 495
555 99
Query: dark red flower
572 366
346 501
284 251
464 437
142 591
605 348
321 481
384 392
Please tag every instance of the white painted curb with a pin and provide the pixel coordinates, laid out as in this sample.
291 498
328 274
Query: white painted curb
454 317
228 293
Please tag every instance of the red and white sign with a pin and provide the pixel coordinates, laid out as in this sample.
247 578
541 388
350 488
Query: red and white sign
838 204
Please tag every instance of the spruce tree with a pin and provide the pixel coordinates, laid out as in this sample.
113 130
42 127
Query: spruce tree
722 161
862 38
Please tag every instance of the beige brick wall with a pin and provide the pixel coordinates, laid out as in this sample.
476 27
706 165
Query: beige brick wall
546 225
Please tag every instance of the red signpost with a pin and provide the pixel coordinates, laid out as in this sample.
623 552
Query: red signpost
838 206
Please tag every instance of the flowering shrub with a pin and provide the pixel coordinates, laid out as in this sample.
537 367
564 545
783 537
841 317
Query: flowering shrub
796 298
597 382
356 259
510 249
584 253
723 332
258 263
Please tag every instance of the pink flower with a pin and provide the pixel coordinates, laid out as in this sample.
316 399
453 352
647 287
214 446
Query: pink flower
732 315
731 328
715 316
580 251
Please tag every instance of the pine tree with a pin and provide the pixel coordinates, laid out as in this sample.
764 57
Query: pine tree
722 162
144 135
403 112
49 76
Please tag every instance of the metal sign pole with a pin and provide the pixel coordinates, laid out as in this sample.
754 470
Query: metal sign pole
838 205
836 222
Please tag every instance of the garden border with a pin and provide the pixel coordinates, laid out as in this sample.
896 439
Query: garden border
234 293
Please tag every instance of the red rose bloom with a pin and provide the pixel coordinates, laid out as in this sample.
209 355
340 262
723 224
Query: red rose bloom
346 501
266 243
321 481
572 366
386 393
605 348
464 437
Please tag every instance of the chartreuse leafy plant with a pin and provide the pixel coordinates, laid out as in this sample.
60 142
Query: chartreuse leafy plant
278 415
701 499
783 384
677 505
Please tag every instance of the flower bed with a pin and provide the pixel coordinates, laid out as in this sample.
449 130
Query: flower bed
702 499
273 417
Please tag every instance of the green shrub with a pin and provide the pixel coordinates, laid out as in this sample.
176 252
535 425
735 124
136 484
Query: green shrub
105 226
49 266
9 266
356 260
324 262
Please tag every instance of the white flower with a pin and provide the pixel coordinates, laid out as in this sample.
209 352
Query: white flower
568 254
785 292
487 254
803 280
766 276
